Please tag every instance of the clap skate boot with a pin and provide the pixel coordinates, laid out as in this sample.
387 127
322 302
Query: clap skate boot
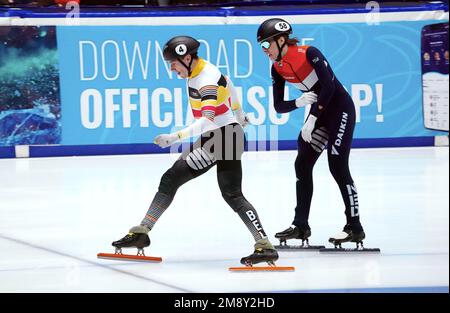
295 232
264 252
136 238
132 240
349 235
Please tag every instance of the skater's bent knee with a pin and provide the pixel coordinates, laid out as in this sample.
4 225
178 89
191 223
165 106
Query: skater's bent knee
174 177
169 182
231 195
234 199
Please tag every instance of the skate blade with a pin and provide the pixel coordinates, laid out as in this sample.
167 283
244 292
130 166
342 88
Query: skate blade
298 248
129 257
262 269
352 250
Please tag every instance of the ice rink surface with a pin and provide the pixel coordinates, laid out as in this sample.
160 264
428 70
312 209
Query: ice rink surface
56 214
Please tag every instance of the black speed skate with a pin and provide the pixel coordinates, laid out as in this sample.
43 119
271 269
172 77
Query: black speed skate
136 238
348 235
295 232
264 252
259 256
132 240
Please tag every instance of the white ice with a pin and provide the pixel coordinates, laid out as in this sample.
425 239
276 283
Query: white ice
56 214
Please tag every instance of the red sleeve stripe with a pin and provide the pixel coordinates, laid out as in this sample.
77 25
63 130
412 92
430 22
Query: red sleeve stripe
219 110
209 108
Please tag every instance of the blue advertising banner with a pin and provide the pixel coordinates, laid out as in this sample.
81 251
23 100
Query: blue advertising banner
117 89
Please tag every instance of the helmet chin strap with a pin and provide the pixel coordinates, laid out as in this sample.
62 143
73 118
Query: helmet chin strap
278 59
188 67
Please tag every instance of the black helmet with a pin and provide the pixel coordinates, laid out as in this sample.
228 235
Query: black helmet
273 27
179 46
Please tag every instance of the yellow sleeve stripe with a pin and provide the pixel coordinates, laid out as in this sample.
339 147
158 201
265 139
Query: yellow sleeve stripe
210 102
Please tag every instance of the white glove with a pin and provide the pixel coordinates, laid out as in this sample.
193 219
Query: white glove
307 98
242 117
308 127
166 140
